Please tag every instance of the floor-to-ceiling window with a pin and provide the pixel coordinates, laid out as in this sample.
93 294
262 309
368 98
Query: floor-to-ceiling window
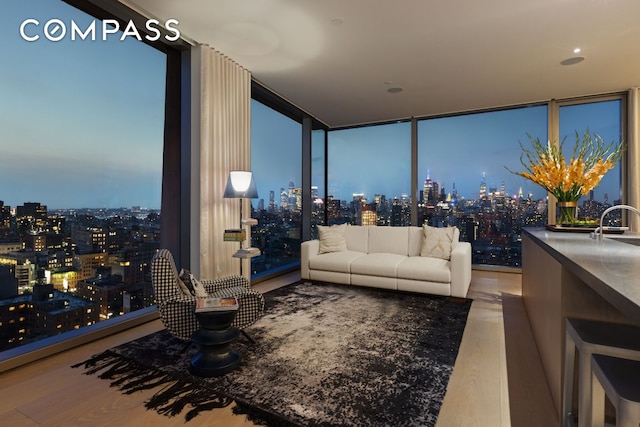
464 165
276 161
369 175
463 180
601 118
82 121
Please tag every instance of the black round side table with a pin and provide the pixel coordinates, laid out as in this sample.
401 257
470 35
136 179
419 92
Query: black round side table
215 358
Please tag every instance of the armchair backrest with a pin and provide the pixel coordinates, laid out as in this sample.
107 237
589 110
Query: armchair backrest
164 276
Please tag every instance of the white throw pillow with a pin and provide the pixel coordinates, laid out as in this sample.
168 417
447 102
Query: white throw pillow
332 238
437 242
201 292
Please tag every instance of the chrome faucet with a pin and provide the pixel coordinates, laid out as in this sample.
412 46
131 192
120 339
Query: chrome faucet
598 232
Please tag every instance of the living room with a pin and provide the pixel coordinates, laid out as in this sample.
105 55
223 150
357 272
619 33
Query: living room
387 131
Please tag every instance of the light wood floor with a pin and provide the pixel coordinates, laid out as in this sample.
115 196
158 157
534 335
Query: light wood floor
497 380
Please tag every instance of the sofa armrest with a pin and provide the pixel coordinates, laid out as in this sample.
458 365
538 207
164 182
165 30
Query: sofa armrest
460 269
308 249
214 285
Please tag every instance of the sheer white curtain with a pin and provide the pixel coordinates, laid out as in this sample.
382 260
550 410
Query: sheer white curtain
224 135
633 147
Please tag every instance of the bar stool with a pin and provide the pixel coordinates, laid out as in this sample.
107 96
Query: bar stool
591 337
619 379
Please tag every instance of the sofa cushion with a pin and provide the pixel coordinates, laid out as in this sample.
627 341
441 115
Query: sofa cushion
416 236
438 242
357 238
334 261
426 269
377 264
332 238
391 240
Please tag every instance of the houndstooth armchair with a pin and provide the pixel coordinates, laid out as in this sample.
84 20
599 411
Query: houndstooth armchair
177 308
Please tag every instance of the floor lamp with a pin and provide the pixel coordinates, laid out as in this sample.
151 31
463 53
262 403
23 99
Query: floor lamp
240 185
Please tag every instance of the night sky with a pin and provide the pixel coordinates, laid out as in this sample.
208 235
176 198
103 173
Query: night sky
81 125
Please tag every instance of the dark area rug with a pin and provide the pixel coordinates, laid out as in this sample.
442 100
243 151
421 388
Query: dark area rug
324 355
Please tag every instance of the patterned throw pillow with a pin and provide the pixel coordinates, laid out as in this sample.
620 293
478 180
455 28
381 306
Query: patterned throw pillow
190 285
332 238
437 242
185 282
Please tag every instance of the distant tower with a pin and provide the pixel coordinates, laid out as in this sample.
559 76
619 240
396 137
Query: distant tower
291 194
454 194
430 191
427 193
272 201
5 216
483 186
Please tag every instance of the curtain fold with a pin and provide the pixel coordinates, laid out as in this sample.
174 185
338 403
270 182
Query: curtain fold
225 142
633 163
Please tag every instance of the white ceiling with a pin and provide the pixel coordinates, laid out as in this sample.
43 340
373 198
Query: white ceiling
336 59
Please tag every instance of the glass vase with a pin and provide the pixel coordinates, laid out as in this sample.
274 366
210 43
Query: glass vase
568 211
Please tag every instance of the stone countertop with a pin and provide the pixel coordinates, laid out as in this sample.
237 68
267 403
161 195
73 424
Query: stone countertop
609 267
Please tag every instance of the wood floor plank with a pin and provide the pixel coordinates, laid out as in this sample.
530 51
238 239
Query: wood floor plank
473 396
15 418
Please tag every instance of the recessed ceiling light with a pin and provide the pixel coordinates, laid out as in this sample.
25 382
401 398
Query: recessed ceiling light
577 50
396 89
572 61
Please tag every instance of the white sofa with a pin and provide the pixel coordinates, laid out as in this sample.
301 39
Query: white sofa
389 257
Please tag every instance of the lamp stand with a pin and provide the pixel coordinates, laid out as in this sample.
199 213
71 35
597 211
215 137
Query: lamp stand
241 227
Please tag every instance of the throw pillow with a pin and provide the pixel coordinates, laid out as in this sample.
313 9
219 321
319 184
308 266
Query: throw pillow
437 242
198 287
185 282
332 238
190 285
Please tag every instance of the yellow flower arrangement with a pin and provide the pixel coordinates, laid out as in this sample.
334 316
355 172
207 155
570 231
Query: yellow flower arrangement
547 166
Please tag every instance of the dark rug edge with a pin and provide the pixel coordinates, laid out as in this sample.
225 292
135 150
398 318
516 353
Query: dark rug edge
175 394
129 377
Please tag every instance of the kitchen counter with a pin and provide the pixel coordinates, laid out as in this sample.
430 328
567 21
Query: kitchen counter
568 274
611 267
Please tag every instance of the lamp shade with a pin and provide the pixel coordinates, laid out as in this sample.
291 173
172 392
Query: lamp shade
240 185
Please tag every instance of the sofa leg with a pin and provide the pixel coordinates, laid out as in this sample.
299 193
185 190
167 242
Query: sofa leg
457 299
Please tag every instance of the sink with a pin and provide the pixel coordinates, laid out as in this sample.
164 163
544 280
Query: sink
630 240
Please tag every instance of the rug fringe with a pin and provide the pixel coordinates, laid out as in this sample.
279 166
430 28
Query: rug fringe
129 377
261 417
